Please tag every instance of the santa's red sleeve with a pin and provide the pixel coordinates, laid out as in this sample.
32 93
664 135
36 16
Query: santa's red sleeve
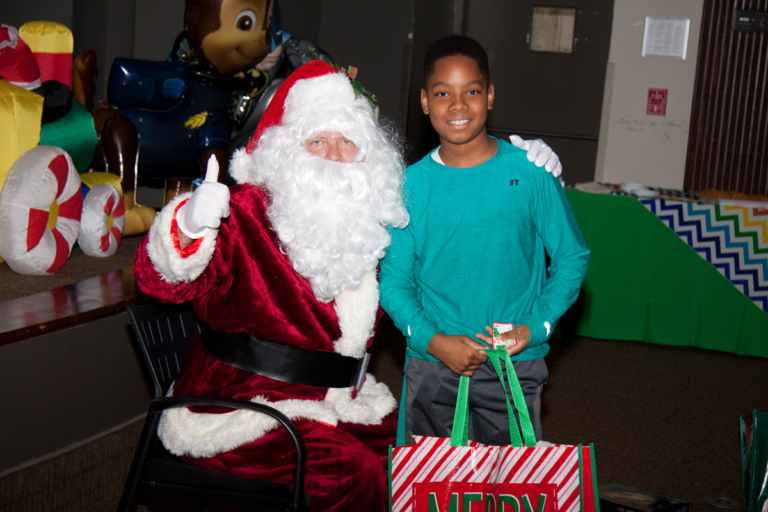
168 273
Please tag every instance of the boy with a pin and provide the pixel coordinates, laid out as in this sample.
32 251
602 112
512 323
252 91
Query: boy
482 218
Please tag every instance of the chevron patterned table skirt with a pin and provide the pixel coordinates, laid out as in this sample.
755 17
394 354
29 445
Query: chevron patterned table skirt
673 271
732 239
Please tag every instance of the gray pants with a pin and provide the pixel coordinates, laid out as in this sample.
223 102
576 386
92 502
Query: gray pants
430 402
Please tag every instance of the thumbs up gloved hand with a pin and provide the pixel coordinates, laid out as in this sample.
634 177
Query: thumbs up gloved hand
207 206
539 153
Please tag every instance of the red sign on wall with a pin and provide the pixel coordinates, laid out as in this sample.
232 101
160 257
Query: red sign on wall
657 102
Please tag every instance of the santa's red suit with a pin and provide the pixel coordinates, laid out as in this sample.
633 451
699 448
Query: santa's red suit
241 280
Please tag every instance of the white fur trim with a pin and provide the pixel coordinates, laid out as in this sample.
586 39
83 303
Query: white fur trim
317 101
206 435
373 401
171 266
241 167
356 310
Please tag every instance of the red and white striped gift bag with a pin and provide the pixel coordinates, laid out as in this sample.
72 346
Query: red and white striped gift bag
433 476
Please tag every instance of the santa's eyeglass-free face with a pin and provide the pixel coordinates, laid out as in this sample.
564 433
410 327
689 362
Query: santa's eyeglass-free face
332 146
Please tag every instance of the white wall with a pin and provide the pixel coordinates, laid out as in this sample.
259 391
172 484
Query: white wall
633 146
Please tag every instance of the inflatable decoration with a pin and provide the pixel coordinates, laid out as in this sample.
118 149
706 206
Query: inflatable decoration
66 123
195 104
50 46
183 110
103 217
52 43
20 109
20 114
40 208
17 62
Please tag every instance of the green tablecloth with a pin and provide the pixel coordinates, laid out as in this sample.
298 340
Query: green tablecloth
645 284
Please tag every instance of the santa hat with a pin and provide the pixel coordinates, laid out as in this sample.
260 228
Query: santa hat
17 62
314 98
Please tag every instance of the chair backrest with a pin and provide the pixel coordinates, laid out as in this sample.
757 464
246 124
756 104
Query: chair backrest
164 332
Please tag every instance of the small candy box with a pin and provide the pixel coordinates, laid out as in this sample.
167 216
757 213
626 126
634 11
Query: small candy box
498 328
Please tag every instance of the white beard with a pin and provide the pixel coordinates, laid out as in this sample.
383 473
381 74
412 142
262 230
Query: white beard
331 218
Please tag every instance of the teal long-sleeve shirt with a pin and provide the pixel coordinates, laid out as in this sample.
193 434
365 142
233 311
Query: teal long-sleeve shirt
474 252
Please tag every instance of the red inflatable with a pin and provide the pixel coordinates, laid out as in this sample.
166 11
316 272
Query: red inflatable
40 208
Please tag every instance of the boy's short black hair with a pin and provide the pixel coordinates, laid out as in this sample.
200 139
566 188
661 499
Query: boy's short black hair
448 46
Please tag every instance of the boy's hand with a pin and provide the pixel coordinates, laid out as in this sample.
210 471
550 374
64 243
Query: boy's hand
521 333
461 354
539 153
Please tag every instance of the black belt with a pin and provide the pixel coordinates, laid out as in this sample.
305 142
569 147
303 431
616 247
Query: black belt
285 363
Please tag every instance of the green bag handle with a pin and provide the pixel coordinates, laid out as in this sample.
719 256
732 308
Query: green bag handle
460 430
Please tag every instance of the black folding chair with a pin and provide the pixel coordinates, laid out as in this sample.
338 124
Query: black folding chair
164 333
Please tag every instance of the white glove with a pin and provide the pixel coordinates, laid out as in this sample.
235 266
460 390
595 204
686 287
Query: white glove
207 206
539 153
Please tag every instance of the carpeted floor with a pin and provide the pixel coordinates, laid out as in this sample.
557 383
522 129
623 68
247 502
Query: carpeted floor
664 419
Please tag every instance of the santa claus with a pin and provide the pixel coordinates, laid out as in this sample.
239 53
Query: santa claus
292 267
281 269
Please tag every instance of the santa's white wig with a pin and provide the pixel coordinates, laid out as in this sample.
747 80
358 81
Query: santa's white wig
331 218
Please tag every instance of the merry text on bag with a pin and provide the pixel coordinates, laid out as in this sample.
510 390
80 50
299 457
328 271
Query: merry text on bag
484 497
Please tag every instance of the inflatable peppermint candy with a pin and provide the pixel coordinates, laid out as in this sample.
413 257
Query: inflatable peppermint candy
40 208
103 218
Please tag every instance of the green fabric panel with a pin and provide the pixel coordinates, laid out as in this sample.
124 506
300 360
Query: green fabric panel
646 284
754 458
758 487
75 134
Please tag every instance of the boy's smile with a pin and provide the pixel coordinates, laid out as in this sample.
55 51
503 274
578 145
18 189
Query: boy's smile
457 99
